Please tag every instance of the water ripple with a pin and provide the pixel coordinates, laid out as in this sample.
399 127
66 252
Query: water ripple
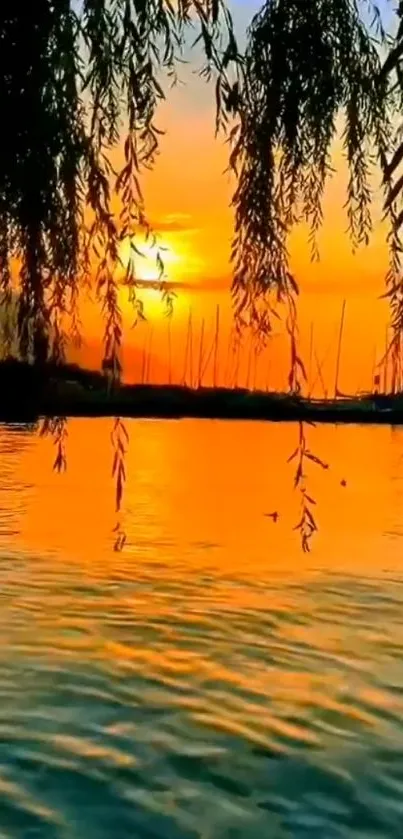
192 687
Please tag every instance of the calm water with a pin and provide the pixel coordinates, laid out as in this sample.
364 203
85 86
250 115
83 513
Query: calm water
210 680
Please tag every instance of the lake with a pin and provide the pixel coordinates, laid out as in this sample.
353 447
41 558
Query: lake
211 680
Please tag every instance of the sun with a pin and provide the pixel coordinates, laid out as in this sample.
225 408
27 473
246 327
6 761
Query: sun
146 265
148 262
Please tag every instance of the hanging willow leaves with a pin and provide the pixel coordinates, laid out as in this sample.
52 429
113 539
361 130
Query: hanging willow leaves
87 76
310 70
56 427
74 78
391 161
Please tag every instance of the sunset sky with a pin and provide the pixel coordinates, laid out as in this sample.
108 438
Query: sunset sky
187 197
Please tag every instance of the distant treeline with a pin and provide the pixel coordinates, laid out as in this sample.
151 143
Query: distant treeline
14 372
28 391
24 387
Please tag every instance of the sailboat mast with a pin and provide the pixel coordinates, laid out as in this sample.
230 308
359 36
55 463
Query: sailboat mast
386 362
237 361
144 358
230 347
249 368
191 348
216 336
169 351
310 361
201 355
149 355
187 345
336 383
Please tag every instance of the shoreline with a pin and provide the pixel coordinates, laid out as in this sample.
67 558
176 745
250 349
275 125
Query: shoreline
159 402
30 393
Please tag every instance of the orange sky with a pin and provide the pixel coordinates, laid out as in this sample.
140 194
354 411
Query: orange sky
187 197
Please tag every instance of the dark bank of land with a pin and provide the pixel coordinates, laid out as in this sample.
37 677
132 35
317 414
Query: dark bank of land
28 393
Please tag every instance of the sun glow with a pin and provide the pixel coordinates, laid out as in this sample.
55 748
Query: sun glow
145 268
148 263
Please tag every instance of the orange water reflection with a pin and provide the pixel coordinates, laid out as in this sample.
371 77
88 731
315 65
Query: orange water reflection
202 488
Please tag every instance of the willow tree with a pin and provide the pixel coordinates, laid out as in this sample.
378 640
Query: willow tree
77 80
80 79
313 71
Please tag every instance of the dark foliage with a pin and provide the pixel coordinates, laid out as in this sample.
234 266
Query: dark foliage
311 70
72 84
77 80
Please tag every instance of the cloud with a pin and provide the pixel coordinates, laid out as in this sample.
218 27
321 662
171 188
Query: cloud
174 223
221 283
199 286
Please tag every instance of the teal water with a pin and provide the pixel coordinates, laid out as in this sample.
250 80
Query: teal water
210 680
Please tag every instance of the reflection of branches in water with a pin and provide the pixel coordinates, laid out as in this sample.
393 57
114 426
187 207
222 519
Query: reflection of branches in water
306 525
56 427
119 538
120 440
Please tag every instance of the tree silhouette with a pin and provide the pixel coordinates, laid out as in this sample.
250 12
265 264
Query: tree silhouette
312 71
77 80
